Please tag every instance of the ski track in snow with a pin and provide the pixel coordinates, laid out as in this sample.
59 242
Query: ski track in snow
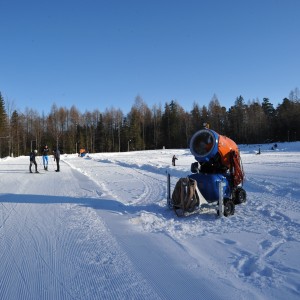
68 254
82 247
259 266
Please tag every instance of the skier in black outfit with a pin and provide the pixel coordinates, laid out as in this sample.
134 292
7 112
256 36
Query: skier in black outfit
57 158
174 158
33 161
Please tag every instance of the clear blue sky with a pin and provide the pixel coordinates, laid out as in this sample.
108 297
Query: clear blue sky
98 54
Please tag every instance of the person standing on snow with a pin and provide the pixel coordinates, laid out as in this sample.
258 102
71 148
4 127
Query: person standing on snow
32 156
57 158
174 158
45 157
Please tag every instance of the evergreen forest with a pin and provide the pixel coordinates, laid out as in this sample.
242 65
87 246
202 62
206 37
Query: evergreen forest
144 128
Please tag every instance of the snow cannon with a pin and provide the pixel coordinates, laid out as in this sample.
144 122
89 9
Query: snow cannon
216 179
218 160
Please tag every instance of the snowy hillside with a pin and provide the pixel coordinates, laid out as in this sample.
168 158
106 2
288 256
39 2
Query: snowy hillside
101 229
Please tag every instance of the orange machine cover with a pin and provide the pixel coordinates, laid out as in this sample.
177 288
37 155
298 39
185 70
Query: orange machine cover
225 146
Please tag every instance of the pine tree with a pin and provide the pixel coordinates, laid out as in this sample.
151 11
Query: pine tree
3 117
15 133
268 107
3 127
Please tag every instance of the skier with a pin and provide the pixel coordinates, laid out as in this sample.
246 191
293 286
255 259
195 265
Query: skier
45 157
33 161
56 153
174 158
258 151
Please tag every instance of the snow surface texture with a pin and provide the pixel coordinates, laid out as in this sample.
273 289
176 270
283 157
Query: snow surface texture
101 229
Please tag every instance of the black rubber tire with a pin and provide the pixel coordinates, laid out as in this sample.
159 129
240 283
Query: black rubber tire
240 196
229 207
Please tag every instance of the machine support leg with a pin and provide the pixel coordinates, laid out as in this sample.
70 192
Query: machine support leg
169 189
221 205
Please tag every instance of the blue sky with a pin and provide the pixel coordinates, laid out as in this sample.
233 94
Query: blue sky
98 54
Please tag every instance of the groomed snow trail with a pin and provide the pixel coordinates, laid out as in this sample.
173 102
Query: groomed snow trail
65 237
55 246
101 229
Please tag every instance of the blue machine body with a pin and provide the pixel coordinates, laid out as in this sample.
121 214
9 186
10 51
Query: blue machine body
208 184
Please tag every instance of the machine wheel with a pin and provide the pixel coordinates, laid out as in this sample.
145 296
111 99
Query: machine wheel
229 207
240 196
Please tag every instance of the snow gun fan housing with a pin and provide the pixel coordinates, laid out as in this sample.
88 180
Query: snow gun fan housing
218 159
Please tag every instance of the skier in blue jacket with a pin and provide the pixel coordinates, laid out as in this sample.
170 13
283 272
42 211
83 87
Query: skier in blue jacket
45 157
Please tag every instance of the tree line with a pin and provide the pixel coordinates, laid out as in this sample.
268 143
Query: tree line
145 128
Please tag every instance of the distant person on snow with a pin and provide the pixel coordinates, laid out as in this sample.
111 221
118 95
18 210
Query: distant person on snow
32 156
174 158
258 151
56 153
45 157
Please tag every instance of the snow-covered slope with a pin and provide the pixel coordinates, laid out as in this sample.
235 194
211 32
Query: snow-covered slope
101 229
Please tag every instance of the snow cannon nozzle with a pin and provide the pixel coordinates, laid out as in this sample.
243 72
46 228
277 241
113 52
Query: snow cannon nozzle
204 145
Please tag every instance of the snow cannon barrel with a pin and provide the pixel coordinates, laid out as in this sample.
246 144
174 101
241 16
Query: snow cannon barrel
217 151
206 144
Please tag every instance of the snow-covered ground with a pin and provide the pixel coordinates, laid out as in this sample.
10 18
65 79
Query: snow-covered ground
101 229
